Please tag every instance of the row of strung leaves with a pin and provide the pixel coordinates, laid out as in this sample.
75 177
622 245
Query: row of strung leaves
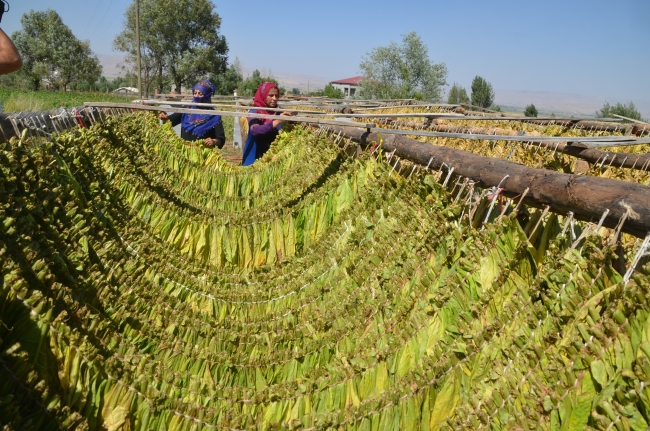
397 315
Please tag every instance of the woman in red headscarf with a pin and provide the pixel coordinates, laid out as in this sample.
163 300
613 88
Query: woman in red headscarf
262 132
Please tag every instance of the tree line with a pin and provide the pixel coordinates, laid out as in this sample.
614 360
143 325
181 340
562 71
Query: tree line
405 71
482 95
177 50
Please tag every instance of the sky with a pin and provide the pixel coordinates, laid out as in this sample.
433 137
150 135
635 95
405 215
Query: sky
593 48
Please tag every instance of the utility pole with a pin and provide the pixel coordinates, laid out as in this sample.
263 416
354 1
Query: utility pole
137 37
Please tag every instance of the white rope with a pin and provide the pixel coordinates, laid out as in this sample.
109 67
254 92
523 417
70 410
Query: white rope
637 258
495 195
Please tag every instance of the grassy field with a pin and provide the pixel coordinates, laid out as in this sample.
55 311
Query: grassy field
13 100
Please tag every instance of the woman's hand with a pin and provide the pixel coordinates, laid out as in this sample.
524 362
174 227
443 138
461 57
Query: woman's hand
210 142
276 123
163 116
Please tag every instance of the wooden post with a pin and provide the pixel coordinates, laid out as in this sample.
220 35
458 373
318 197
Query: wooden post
237 138
137 37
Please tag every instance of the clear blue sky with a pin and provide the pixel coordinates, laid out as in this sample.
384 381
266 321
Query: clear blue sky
594 48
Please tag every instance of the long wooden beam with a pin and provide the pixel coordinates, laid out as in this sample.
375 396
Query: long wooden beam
588 198
591 142
591 155
607 158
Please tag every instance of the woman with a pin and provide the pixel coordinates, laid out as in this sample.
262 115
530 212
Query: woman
262 132
199 126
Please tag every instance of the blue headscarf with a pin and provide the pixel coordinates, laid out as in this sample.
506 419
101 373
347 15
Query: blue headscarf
199 124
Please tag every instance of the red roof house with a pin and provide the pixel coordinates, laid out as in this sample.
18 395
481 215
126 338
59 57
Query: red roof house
349 86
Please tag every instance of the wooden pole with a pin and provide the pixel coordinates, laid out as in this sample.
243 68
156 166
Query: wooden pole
137 37
289 119
630 119
618 160
587 197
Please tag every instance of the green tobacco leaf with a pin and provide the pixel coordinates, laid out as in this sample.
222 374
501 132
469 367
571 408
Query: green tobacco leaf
116 418
435 332
489 269
446 401
580 414
260 382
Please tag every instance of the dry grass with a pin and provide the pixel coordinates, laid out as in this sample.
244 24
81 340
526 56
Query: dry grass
23 102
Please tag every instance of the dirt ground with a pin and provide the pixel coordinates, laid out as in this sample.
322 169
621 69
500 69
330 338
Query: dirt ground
233 155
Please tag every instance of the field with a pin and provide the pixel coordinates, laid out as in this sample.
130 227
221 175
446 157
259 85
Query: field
20 100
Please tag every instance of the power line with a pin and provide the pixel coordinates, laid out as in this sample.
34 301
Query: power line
102 20
110 25
91 18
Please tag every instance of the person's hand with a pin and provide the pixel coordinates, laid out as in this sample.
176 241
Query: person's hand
163 116
210 142
276 123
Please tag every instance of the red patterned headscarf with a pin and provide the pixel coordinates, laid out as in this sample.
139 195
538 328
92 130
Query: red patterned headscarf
260 97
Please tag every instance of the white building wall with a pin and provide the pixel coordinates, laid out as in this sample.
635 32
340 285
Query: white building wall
347 89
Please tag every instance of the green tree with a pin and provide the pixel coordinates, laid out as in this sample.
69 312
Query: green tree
51 51
402 71
530 111
628 111
332 93
482 93
182 43
457 95
228 81
249 86
295 91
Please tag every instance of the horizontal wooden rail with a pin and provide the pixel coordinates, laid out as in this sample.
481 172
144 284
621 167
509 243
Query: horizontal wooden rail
292 119
359 114
590 142
219 105
423 105
605 158
588 198
617 159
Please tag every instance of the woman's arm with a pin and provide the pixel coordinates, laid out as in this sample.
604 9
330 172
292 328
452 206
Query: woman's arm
257 128
175 118
276 123
10 60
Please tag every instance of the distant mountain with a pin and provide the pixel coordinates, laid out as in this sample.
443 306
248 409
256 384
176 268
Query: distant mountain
561 103
290 80
111 65
112 69
564 104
